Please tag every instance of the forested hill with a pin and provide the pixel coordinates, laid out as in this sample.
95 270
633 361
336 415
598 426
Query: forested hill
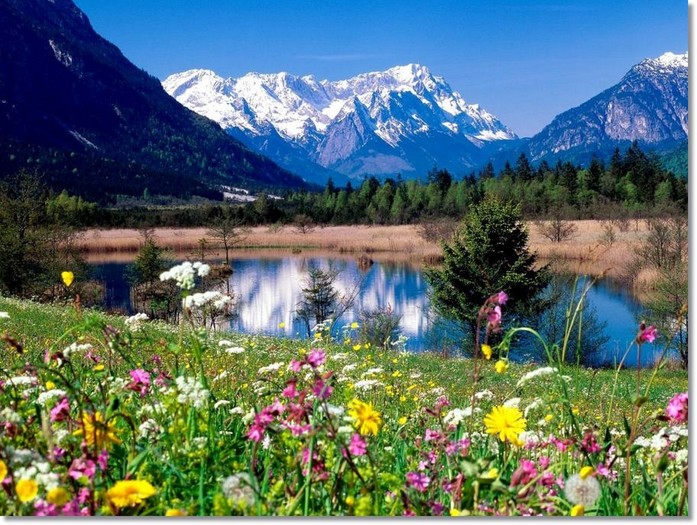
74 109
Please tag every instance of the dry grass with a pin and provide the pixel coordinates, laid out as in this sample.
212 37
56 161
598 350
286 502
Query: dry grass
584 252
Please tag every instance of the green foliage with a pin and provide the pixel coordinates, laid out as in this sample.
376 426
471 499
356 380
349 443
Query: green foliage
319 297
488 253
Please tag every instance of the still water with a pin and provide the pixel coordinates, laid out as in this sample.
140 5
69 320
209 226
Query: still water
267 291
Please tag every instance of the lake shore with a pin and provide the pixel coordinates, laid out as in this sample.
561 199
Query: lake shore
587 251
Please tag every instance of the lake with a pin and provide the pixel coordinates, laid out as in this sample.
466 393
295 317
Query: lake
267 290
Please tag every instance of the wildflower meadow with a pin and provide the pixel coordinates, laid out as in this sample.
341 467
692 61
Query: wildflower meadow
107 415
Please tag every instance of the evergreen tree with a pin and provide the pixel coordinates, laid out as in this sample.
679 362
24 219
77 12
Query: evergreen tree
488 253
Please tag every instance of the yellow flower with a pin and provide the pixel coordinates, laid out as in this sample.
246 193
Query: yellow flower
58 496
350 501
402 420
354 325
577 510
281 325
486 350
175 512
3 470
492 474
575 411
549 417
505 421
96 431
50 385
454 512
501 366
356 347
129 493
26 489
68 278
98 368
586 471
365 418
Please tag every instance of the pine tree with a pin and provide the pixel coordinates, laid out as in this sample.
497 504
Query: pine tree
488 253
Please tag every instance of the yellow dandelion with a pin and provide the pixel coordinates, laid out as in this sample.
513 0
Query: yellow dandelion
96 431
3 470
98 368
507 422
397 373
577 510
50 385
354 325
26 490
486 350
586 471
58 496
402 399
455 512
68 278
402 420
501 366
175 512
356 347
365 418
129 493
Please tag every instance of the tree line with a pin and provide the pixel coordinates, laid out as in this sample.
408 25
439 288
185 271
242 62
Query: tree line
630 184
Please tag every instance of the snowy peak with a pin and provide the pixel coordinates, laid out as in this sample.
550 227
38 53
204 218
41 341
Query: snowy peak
330 121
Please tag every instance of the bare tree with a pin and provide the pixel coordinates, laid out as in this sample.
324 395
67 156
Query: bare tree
557 228
303 224
437 231
229 232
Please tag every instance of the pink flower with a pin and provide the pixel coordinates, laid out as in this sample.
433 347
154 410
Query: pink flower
501 297
295 366
357 446
82 467
102 459
419 481
432 435
677 408
44 508
61 411
494 315
289 391
646 335
589 443
140 376
322 390
316 358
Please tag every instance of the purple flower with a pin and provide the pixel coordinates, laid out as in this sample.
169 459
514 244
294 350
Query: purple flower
494 315
295 366
102 459
646 334
316 358
322 390
289 391
61 411
419 481
677 408
589 443
140 376
44 508
82 467
357 446
501 297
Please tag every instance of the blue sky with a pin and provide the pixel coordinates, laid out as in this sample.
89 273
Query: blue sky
525 62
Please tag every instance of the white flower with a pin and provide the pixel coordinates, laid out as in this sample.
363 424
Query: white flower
536 403
221 403
44 397
366 384
199 442
240 488
540 372
22 381
273 367
681 456
234 350
345 429
191 391
210 299
484 394
266 442
415 375
581 491
454 417
372 371
349 368
185 273
237 411
221 375
149 428
135 321
512 403
335 410
341 356
76 348
9 415
4 315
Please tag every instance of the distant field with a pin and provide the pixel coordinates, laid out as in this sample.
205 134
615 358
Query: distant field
584 252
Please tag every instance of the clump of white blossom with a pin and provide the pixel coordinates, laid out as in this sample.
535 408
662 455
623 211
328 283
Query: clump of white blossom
211 299
136 321
185 273
191 392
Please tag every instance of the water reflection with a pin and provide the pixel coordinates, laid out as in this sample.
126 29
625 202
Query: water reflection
267 291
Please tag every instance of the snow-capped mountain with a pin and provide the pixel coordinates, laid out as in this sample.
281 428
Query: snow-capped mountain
649 105
403 120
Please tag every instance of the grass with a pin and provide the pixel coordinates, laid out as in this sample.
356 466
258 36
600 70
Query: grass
184 441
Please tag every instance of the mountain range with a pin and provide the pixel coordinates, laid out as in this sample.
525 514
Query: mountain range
407 120
75 109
